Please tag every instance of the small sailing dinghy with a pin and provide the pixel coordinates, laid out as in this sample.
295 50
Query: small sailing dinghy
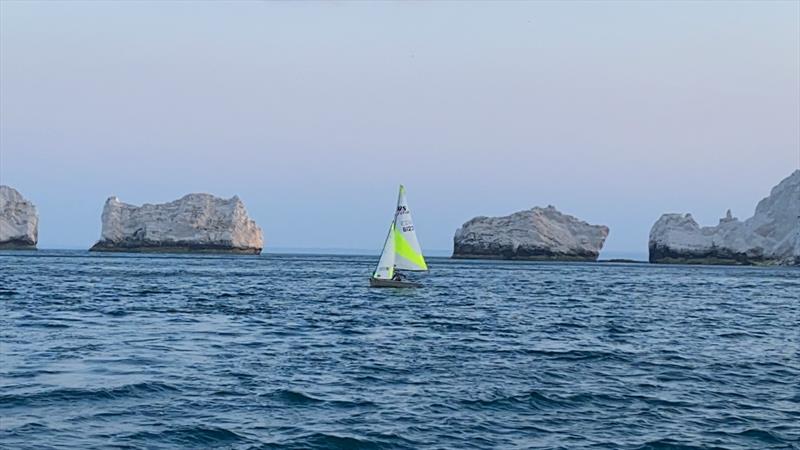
401 250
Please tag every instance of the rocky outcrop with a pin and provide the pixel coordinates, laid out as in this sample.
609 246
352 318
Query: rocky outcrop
770 237
194 223
535 234
19 222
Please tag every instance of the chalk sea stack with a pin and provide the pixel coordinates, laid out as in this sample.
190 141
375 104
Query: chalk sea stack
194 223
770 237
538 234
19 222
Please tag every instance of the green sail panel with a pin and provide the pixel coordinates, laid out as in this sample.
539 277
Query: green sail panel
407 249
406 257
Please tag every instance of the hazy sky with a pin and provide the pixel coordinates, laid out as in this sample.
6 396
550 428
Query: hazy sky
313 112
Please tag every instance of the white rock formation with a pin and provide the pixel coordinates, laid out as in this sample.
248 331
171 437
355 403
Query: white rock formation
196 222
771 236
19 222
535 234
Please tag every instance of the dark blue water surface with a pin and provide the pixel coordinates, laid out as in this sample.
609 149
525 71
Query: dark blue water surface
295 351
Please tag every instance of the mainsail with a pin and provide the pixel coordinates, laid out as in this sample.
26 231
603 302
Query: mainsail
406 246
401 249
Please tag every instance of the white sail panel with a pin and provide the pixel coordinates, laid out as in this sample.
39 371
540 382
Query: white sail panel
407 249
385 269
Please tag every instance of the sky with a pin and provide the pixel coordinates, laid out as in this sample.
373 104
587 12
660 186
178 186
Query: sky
314 112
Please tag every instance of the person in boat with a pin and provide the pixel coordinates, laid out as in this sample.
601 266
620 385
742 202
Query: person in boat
398 276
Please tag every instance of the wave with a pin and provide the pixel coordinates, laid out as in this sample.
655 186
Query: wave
150 291
668 444
63 395
761 435
578 355
533 399
191 436
329 441
539 401
296 398
38 324
291 397
30 427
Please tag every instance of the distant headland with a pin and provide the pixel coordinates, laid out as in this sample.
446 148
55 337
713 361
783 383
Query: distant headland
206 223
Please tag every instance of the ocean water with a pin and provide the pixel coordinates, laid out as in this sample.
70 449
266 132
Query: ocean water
282 351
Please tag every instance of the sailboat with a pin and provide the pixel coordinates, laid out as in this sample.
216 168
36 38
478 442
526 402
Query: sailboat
401 251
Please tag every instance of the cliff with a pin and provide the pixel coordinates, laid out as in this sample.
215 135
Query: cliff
194 223
19 222
535 234
770 237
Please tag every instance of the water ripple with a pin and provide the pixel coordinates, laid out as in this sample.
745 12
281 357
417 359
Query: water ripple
279 351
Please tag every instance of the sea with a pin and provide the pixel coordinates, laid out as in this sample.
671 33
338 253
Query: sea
297 352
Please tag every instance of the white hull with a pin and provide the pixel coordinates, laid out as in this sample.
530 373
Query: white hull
379 282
